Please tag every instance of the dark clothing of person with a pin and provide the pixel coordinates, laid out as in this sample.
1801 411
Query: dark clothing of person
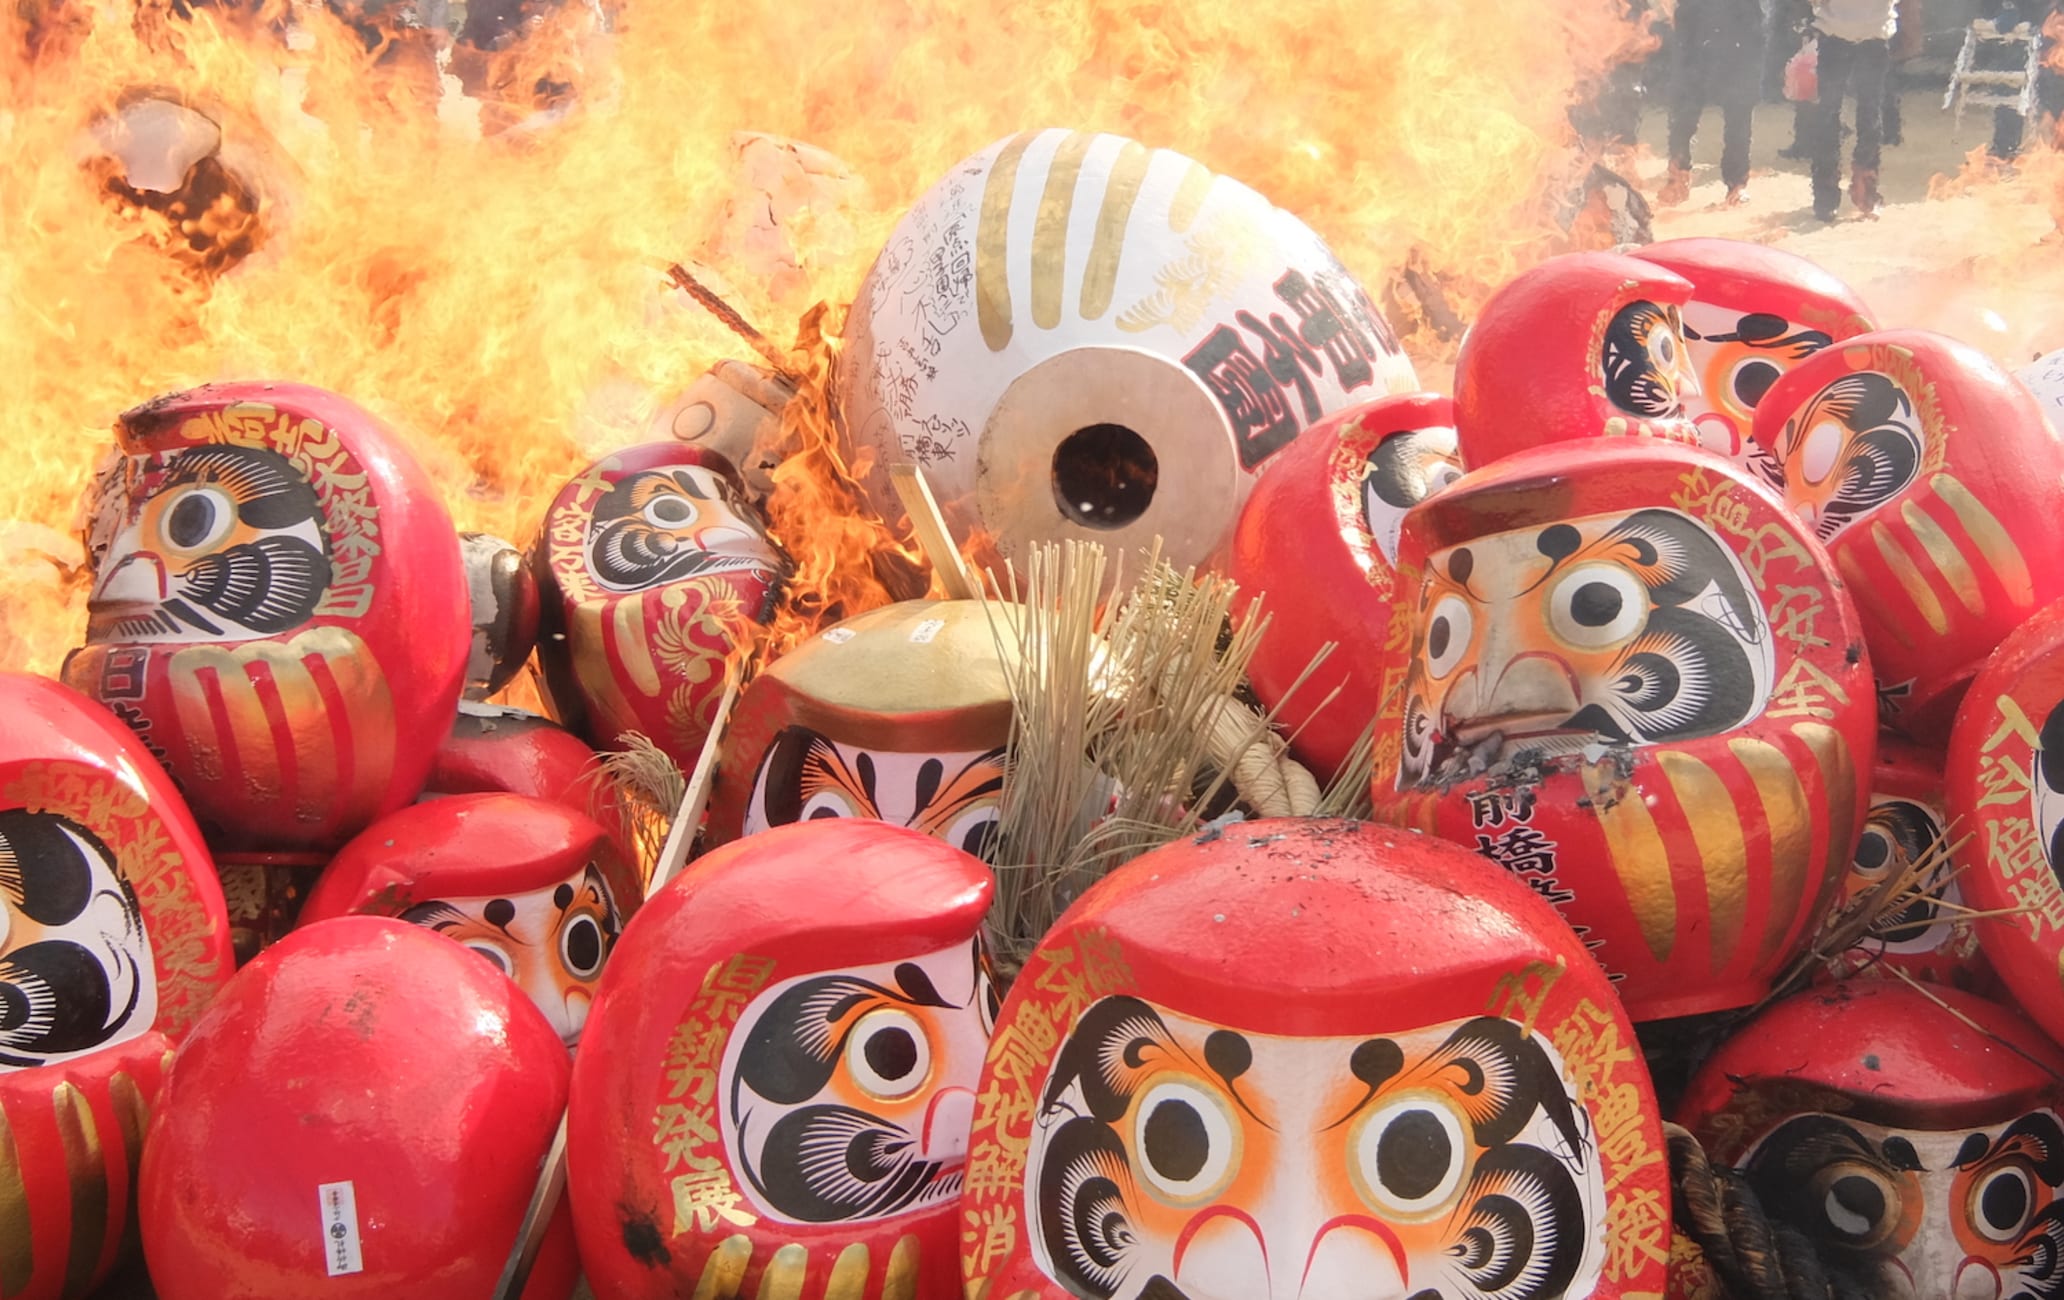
1847 67
1719 61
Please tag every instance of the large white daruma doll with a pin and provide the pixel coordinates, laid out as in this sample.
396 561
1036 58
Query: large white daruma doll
1077 336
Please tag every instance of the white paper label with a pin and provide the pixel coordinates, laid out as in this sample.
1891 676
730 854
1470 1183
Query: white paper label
340 1229
925 631
839 635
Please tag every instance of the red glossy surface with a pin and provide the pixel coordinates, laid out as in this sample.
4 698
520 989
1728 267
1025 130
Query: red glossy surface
655 1188
1308 540
466 846
1929 939
365 1051
1695 837
633 636
298 740
1532 370
1756 277
1314 952
1956 548
494 749
1881 1051
2001 792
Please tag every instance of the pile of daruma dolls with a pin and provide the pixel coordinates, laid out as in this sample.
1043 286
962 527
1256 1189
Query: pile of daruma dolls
1702 610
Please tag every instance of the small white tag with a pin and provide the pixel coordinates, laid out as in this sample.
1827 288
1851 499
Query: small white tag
839 635
925 631
340 1229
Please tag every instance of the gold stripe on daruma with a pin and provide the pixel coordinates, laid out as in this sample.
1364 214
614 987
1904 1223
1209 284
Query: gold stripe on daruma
132 1116
1100 275
1838 779
1790 823
1050 228
1991 538
1911 580
17 1242
1638 855
632 649
1716 831
86 1170
992 244
900 1281
848 1280
785 1274
723 1273
1868 600
1946 556
1189 197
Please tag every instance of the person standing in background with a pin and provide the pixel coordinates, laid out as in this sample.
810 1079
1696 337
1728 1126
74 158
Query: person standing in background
1719 61
1855 53
1909 42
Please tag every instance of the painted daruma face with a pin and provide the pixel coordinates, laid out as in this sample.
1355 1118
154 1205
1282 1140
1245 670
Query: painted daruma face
1738 357
1398 473
665 525
1913 1212
1175 1157
1852 449
1629 629
806 776
851 1091
76 972
223 544
1755 313
1646 367
552 942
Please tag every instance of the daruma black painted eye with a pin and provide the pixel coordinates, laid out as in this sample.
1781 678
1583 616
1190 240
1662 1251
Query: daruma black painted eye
1448 633
888 1054
581 946
1409 1156
1184 1141
670 512
2001 1202
1859 1202
198 518
1597 605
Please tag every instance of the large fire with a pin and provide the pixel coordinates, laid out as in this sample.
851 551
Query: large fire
486 269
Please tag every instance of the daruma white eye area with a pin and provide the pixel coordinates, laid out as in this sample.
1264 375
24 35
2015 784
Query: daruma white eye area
889 1054
1449 630
1185 1142
1819 450
1409 1155
670 512
1597 605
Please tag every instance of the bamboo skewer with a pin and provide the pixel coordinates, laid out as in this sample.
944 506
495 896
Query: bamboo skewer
933 536
551 1180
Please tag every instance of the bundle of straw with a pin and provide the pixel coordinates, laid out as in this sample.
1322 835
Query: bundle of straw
1127 729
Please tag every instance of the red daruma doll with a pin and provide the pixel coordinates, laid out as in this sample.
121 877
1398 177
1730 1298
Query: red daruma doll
361 1115
1630 677
1933 480
1313 1059
1318 540
278 610
112 942
1586 345
774 1090
650 566
534 888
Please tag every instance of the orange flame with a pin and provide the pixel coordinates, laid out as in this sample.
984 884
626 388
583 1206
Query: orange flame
478 267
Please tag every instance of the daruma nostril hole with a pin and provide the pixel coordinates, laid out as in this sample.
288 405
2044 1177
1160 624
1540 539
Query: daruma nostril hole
1104 476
